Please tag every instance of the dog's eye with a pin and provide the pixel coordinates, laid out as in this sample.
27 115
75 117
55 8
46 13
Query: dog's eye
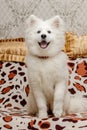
49 31
39 31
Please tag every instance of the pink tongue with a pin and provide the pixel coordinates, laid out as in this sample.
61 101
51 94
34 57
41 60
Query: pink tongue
43 44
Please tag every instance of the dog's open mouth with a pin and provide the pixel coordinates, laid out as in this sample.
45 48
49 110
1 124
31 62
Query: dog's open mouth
43 44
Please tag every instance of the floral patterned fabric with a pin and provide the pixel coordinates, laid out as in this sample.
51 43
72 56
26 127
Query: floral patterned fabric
14 91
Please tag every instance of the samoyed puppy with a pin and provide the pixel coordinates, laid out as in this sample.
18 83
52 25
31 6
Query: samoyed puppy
47 65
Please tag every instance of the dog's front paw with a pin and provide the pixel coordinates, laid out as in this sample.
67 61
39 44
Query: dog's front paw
58 112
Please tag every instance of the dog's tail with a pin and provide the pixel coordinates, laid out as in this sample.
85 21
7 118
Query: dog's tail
75 104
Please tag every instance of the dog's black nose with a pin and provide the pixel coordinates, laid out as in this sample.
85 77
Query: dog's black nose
43 36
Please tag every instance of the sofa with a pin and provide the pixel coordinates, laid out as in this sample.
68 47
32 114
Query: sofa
14 86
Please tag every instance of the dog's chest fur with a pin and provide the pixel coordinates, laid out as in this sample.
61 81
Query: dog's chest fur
44 74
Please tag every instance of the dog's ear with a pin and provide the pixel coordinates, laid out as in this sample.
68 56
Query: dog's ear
32 20
56 22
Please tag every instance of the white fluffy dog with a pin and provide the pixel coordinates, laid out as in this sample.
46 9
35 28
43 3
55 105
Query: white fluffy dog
47 65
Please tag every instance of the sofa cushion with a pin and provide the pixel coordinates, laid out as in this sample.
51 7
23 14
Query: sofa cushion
20 120
76 46
78 76
14 86
13 50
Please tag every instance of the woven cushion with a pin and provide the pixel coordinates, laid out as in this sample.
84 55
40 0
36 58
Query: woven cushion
76 46
13 50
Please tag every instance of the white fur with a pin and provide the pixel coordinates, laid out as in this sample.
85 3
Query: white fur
74 104
77 104
48 77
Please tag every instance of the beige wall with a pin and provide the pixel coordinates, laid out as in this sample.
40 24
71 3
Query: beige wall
14 12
